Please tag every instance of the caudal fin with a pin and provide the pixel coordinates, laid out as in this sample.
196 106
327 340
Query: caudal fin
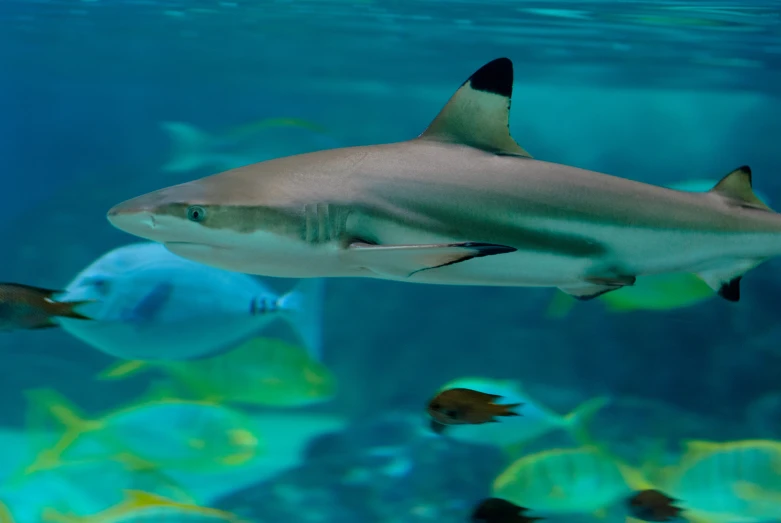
67 309
67 415
189 147
578 420
303 309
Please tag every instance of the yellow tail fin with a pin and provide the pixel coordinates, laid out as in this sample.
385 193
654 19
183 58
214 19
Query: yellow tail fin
61 409
68 415
122 370
137 499
578 420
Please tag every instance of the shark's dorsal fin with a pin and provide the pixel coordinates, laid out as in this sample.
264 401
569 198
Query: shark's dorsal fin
736 186
478 114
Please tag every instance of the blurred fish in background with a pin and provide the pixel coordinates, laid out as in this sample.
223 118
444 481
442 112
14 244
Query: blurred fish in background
26 307
261 371
726 481
139 506
189 435
511 433
149 304
582 480
172 449
193 148
164 311
85 487
653 505
461 406
497 510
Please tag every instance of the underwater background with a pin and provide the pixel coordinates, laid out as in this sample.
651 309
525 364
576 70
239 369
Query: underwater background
659 92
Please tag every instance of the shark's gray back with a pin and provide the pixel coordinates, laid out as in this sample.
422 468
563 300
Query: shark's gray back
470 186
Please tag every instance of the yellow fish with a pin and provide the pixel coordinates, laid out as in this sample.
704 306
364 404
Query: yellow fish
5 514
534 421
165 434
262 371
89 486
727 482
139 506
581 480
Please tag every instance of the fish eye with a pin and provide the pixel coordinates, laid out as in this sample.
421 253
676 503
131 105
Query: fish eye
100 284
196 213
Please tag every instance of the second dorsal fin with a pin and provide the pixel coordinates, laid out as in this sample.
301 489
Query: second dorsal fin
478 114
737 186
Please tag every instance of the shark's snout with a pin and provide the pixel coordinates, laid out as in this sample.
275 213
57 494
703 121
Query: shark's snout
133 217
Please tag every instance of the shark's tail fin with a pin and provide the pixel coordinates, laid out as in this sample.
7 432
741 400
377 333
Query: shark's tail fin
189 149
303 309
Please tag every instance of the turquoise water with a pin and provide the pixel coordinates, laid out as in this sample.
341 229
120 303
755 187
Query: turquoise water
660 92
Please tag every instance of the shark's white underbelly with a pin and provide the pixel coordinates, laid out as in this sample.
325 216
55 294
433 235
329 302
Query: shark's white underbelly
625 251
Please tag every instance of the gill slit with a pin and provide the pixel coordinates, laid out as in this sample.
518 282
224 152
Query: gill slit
318 226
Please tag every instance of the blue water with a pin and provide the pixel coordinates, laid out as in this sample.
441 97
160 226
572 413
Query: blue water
658 92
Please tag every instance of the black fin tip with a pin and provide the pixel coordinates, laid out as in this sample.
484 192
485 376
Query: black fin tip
494 77
730 291
487 249
588 297
479 250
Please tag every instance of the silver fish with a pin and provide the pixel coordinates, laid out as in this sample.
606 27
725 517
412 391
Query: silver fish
461 204
149 304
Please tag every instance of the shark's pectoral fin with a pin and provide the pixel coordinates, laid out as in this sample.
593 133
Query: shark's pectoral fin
595 287
736 187
726 280
478 114
406 260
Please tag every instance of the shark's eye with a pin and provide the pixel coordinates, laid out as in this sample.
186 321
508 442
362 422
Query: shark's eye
196 213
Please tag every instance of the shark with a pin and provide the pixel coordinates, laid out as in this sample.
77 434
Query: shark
461 204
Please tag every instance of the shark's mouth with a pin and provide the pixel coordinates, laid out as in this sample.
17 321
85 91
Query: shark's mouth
180 247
